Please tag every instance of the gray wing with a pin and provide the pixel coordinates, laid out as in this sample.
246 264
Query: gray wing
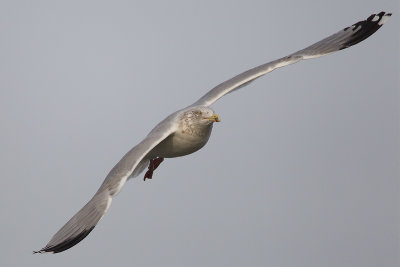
83 222
343 39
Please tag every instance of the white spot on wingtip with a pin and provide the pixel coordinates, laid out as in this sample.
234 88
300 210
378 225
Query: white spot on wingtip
375 18
356 27
384 19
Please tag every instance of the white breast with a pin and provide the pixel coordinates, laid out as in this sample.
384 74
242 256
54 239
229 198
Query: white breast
183 142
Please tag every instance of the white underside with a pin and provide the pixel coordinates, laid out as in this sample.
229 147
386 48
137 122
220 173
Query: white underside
180 144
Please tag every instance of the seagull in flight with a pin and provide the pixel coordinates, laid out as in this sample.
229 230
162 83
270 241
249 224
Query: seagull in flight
187 130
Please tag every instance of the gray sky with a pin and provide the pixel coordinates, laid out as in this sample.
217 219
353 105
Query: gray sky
303 170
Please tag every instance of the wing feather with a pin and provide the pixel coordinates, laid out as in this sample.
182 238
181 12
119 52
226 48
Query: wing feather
345 38
83 222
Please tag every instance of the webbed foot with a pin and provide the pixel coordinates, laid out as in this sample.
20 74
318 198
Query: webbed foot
154 163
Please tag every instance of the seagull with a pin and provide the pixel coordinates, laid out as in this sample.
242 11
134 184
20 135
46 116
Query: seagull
187 130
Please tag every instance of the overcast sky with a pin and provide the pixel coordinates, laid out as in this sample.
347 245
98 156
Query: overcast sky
303 170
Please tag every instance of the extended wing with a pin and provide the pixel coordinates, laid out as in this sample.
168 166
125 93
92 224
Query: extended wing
83 222
347 37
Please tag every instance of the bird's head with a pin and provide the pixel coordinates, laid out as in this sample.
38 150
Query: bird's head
201 115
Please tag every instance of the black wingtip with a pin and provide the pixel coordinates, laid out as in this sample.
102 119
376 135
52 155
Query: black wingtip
65 244
365 28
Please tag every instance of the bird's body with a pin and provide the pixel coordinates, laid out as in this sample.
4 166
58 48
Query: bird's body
188 130
190 135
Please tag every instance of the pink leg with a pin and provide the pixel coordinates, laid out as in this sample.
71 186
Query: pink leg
154 163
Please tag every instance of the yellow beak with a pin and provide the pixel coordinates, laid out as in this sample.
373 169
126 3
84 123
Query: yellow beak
214 118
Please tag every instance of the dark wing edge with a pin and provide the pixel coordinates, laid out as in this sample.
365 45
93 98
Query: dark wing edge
85 220
368 27
345 38
80 225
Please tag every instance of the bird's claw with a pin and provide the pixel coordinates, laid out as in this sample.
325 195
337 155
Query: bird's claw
154 163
